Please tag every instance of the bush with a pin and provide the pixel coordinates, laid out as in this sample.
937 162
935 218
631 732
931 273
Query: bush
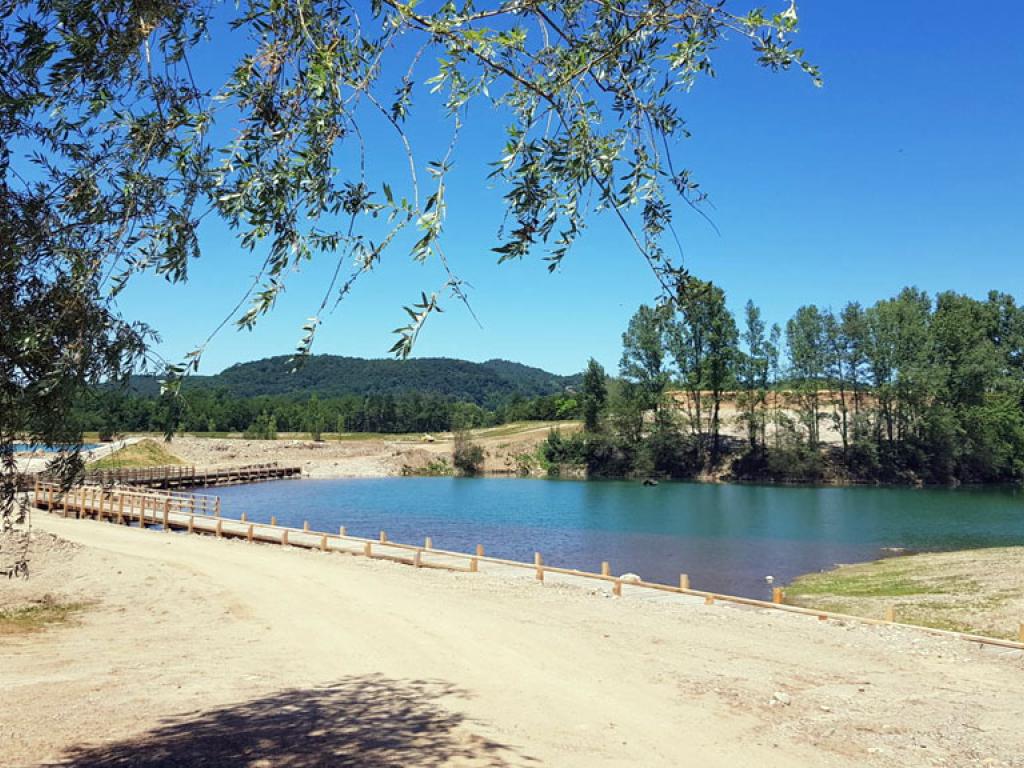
263 428
468 457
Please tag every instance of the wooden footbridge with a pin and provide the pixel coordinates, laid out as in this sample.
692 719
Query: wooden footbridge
201 514
185 476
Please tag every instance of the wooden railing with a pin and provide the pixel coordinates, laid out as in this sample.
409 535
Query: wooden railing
182 476
198 514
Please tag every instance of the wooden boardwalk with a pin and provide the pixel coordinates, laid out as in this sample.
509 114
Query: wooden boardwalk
185 476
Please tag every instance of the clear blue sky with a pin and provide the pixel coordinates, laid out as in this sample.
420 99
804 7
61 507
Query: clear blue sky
907 168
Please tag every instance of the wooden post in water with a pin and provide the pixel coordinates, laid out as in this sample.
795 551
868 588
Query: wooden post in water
777 595
538 563
684 581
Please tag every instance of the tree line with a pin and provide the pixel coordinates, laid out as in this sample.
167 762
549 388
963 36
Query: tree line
912 389
112 411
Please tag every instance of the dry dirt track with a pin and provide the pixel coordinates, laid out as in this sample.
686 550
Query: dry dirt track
201 652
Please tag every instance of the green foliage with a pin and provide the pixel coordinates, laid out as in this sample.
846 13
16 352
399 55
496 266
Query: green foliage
467 456
593 395
264 427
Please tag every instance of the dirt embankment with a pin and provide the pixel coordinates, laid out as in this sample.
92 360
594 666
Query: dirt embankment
507 449
200 652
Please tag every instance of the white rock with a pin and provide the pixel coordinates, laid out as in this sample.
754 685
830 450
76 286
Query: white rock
781 698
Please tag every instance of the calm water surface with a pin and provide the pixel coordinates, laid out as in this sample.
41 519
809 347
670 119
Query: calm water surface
727 537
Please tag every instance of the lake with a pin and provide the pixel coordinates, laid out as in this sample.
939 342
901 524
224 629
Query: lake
727 537
30 448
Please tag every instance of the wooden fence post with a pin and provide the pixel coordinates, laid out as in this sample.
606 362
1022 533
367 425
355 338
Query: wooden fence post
219 529
341 530
323 543
479 550
305 526
244 517
383 537
216 506
474 565
606 568
167 513
684 581
617 588
1020 636
416 559
367 549
890 613
273 520
538 562
248 535
65 504
191 524
120 508
777 595
428 543
284 538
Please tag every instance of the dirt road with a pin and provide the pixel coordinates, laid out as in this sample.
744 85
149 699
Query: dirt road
200 652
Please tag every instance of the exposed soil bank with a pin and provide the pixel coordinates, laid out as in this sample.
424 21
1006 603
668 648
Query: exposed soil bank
199 652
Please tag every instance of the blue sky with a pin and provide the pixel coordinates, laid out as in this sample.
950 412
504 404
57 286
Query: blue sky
905 169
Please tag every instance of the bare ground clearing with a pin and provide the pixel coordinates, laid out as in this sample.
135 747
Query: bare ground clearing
202 652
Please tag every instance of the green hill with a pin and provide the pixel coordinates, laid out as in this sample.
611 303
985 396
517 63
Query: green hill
485 383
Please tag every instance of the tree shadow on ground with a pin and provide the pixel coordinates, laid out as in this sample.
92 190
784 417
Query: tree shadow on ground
359 721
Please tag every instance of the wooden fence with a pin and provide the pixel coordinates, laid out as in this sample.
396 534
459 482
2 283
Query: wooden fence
201 514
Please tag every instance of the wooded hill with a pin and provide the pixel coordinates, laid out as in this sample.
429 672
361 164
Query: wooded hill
486 384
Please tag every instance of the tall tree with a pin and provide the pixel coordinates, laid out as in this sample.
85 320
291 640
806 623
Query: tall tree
593 395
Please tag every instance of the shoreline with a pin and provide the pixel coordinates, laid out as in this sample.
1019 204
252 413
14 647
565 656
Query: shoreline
511 673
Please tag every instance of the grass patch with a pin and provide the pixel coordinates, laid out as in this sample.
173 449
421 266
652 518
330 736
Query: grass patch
37 616
894 577
145 453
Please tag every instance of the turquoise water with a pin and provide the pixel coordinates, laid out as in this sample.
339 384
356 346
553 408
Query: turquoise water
727 537
29 447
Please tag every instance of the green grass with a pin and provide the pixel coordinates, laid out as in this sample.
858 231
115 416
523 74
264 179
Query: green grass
885 578
145 453
37 616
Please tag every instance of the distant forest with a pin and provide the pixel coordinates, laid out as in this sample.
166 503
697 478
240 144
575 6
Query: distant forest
912 389
338 394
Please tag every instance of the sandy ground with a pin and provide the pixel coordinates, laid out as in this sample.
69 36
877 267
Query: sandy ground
372 457
200 652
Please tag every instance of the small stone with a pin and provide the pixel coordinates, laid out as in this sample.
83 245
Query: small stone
781 698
